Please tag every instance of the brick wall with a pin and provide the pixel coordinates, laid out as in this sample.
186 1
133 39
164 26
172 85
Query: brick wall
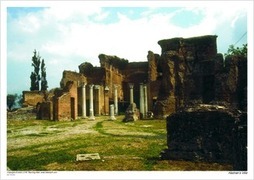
31 98
62 106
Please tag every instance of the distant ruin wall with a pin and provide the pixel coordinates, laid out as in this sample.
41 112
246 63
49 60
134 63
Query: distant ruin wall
31 98
106 61
72 76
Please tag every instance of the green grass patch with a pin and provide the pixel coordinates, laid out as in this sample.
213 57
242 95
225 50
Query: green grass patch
48 145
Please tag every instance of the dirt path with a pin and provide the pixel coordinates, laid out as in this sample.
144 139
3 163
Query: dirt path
42 133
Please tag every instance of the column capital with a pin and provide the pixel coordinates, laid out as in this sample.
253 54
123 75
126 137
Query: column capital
91 85
131 85
83 84
106 88
97 86
116 86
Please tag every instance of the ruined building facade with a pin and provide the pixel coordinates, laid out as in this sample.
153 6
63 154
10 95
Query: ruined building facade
193 71
188 70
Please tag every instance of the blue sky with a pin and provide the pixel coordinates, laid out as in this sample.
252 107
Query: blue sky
67 36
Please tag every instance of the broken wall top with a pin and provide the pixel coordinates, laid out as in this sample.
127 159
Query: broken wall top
72 76
202 47
106 61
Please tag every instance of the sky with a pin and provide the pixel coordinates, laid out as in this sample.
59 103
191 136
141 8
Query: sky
66 36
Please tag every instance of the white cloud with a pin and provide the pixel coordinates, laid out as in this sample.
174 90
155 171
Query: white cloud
66 37
31 25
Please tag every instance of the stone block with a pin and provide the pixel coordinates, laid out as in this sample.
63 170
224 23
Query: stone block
132 113
88 157
208 133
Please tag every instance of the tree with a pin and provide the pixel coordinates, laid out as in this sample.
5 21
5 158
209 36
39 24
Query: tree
36 76
11 100
238 51
44 83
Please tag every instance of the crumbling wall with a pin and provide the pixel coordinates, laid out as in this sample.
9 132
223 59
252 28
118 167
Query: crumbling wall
188 70
78 79
106 61
31 98
62 107
134 73
45 111
193 71
209 133
113 67
153 66
72 76
65 102
154 78
234 85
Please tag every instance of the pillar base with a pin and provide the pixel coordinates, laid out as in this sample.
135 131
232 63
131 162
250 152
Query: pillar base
112 118
92 118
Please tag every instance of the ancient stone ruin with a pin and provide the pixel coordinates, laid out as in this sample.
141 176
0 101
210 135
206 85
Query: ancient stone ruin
209 97
203 97
188 70
208 133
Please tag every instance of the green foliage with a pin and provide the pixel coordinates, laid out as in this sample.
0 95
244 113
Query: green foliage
44 83
237 51
14 100
35 75
11 99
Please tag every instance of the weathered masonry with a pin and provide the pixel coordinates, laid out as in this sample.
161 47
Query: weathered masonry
187 71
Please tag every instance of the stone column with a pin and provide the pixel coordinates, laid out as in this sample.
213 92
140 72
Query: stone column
97 100
83 100
91 115
112 114
116 99
141 99
106 100
131 93
145 100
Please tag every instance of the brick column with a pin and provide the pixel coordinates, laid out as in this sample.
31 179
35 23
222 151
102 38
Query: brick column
91 110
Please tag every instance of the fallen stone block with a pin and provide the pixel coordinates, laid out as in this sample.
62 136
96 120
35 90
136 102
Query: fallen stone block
88 157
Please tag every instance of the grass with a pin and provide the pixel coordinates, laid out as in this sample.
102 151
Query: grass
46 145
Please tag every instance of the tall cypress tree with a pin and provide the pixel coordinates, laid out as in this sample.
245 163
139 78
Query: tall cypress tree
44 83
35 76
